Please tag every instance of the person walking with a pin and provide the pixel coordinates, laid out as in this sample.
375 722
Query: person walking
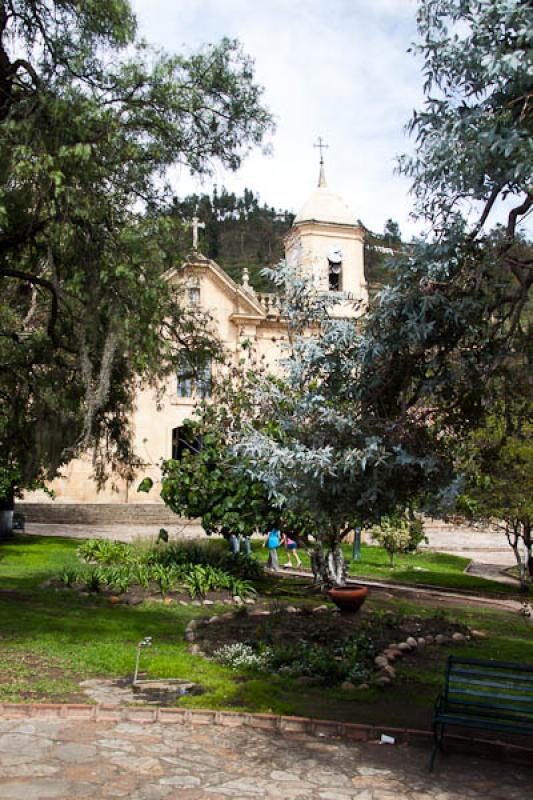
272 541
291 548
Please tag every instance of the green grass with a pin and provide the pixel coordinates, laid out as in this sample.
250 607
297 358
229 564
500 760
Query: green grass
430 569
52 640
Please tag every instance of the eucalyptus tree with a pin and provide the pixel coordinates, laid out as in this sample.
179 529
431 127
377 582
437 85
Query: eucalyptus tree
371 411
92 119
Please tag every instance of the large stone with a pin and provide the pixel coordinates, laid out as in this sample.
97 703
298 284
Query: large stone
393 653
347 686
458 637
320 609
478 634
404 647
440 638
381 661
412 642
305 680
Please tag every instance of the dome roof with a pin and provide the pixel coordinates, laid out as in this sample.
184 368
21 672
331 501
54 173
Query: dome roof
325 206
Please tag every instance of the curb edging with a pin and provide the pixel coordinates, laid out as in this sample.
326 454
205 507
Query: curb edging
327 729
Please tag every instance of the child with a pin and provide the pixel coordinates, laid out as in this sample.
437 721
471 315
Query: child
272 541
291 547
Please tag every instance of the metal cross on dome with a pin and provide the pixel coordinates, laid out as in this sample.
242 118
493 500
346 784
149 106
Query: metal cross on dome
321 146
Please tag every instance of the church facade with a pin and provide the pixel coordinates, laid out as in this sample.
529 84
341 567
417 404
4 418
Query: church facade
325 242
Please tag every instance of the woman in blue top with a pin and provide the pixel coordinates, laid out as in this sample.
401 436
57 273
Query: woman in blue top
272 541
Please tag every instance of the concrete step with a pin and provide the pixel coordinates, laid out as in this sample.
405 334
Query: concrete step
98 513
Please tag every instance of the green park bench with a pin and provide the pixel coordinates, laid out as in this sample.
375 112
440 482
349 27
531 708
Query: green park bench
490 695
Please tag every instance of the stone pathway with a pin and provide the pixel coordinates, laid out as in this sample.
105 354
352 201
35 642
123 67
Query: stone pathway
45 758
186 529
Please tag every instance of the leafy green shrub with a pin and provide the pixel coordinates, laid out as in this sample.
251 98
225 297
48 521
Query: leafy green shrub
166 577
416 534
199 565
68 576
398 533
119 578
103 551
93 578
140 573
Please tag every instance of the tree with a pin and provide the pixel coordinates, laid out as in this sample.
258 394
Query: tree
391 233
318 438
92 119
371 411
204 483
394 535
497 464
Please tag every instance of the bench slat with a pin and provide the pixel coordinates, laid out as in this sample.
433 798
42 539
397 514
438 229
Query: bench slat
492 673
492 711
482 722
482 663
495 684
491 695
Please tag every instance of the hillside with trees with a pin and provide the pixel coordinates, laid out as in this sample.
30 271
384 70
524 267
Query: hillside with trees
241 232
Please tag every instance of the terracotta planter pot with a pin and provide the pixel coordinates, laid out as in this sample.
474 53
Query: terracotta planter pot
348 598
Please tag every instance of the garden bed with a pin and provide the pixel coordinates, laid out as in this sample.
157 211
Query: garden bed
137 594
321 644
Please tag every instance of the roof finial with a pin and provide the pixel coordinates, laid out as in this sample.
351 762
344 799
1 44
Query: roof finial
321 175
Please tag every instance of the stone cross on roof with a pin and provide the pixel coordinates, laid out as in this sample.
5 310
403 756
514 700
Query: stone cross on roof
196 226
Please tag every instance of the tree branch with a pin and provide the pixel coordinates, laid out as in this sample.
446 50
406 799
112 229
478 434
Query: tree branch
46 284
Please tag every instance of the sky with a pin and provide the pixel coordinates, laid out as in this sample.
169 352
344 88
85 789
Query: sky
338 69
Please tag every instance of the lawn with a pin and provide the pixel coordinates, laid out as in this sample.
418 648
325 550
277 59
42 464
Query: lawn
423 568
51 640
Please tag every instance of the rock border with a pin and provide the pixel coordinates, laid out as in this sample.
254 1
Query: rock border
321 728
382 662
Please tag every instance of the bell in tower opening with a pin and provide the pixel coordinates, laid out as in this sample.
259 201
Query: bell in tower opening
335 269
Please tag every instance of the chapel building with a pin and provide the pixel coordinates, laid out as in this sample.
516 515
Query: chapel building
326 242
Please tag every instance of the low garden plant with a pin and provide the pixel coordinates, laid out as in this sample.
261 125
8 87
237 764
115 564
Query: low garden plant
350 660
196 567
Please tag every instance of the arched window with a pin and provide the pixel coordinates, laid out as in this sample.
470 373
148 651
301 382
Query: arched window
335 270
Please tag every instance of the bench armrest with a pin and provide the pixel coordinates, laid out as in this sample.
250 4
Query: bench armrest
439 703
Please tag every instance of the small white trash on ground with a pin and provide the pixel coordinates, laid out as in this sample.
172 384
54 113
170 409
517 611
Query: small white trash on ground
386 739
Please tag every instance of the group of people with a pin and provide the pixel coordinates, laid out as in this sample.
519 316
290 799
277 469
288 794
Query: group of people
273 540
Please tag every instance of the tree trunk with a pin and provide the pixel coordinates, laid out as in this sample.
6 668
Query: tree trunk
329 567
514 537
7 506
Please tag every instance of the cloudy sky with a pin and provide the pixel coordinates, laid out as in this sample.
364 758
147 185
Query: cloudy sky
334 68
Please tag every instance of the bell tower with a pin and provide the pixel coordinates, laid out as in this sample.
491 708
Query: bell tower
327 242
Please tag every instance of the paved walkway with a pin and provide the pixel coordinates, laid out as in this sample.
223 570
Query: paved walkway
50 758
